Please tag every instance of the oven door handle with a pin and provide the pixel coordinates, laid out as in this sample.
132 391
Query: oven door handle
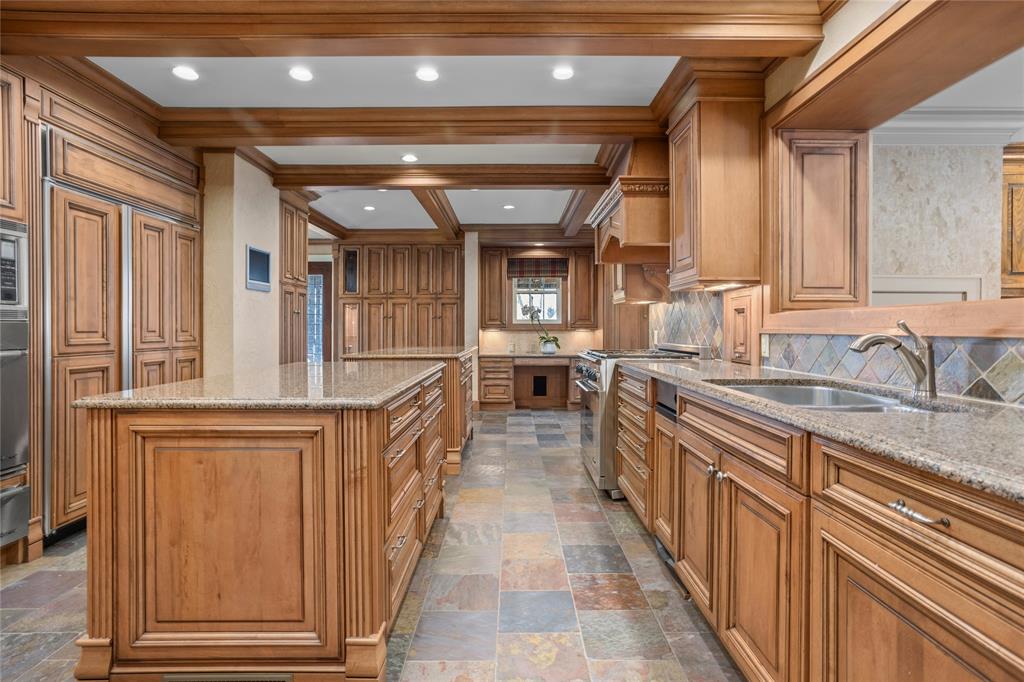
586 386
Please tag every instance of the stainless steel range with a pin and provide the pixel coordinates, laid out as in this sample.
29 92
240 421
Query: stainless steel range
595 377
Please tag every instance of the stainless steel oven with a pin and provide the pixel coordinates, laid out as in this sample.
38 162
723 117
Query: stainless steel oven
590 423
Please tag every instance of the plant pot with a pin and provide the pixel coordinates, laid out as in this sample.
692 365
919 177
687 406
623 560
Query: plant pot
548 348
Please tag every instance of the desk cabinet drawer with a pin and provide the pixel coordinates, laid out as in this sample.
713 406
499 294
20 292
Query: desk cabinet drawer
402 411
777 449
491 392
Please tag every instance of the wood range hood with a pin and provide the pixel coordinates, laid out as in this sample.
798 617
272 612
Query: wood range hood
632 223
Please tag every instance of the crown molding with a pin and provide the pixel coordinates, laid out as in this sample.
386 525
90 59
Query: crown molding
951 126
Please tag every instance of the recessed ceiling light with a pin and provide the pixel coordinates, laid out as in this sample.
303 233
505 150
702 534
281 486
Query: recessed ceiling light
381 189
185 73
474 190
508 207
563 72
539 244
427 73
369 208
300 73
410 158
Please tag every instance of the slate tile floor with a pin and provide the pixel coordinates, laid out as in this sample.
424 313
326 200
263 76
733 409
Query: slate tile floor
532 575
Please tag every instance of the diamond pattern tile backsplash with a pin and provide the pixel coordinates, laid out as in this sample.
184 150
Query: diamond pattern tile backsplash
693 317
991 369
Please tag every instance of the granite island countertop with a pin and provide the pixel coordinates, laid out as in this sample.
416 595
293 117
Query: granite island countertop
297 386
977 443
425 352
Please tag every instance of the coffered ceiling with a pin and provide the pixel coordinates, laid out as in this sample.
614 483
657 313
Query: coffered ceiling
362 154
394 209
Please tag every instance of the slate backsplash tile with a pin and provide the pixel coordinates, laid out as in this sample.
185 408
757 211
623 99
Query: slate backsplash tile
990 369
693 317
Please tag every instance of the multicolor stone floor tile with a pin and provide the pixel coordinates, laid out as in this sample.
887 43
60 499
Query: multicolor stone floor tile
531 575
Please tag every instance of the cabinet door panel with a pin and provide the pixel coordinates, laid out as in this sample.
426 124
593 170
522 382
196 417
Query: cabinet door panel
374 320
188 289
300 247
186 365
582 289
400 270
761 573
287 309
425 265
449 273
824 219
12 149
74 378
424 323
288 228
152 368
399 323
664 503
375 265
350 271
683 212
298 329
86 273
492 289
151 265
349 325
449 321
698 532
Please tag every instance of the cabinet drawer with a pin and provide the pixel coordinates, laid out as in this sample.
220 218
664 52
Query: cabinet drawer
633 481
980 531
775 448
466 367
431 451
432 413
495 369
495 392
635 387
433 390
400 473
636 416
432 497
639 446
401 551
401 412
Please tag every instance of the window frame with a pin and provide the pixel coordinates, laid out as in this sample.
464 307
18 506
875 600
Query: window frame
561 325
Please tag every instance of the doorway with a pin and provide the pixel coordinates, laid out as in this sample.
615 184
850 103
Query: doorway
319 313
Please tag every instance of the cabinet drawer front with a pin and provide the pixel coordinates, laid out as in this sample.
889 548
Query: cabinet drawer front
432 412
401 412
638 446
491 392
433 390
430 443
400 473
491 373
983 534
401 551
635 387
638 417
633 483
772 447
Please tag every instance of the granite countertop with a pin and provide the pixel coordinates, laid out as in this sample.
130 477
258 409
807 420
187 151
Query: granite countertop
977 443
430 352
568 356
327 386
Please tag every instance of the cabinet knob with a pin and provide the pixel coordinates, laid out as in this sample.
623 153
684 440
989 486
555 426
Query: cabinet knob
711 470
721 476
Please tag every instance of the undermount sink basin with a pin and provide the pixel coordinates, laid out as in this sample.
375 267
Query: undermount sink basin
824 398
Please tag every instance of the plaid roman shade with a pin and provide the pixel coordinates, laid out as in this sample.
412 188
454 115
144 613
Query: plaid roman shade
538 267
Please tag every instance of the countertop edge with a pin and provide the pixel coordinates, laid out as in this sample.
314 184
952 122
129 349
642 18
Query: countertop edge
922 459
385 355
111 403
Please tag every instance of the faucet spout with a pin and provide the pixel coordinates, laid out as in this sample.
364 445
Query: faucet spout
918 363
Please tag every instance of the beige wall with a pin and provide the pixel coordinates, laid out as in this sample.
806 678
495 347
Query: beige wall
471 300
497 341
241 207
935 211
839 30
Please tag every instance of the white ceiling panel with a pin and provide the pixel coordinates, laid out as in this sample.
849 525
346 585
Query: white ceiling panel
391 81
1000 85
486 205
314 232
363 154
397 209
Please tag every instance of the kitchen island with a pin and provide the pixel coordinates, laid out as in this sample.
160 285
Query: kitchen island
260 523
456 423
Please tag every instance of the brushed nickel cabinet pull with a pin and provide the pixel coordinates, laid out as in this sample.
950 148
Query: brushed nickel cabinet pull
419 503
711 470
901 508
721 476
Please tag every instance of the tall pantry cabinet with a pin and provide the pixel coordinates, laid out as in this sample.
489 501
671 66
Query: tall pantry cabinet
294 278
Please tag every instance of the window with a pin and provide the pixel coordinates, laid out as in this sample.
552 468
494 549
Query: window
544 293
315 319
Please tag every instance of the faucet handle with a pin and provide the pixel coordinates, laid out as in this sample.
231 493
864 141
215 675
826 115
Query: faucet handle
919 340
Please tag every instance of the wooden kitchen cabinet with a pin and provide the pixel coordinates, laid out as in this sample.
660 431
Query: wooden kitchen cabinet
714 154
822 236
186 365
152 244
493 288
697 497
349 266
13 199
425 267
449 270
583 290
665 472
349 327
375 270
399 274
398 327
294 240
293 323
152 368
374 323
761 572
187 291
449 329
741 326
624 325
496 383
1012 277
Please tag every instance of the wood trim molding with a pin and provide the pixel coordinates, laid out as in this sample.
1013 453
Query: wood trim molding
448 176
405 27
328 225
397 236
518 235
435 203
237 127
580 204
694 80
829 8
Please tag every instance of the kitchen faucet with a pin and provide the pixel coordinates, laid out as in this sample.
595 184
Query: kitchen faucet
919 363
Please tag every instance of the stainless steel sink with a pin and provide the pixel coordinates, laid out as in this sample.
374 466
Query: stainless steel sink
824 398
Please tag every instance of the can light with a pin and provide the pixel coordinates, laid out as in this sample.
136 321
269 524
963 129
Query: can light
410 158
427 73
369 208
185 73
562 72
300 73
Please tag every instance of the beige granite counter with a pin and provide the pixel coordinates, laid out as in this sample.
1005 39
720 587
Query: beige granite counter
426 352
327 386
976 443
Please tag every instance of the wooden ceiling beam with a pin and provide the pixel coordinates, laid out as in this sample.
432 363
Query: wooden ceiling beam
239 127
443 176
435 203
248 28
328 225
520 234
581 203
